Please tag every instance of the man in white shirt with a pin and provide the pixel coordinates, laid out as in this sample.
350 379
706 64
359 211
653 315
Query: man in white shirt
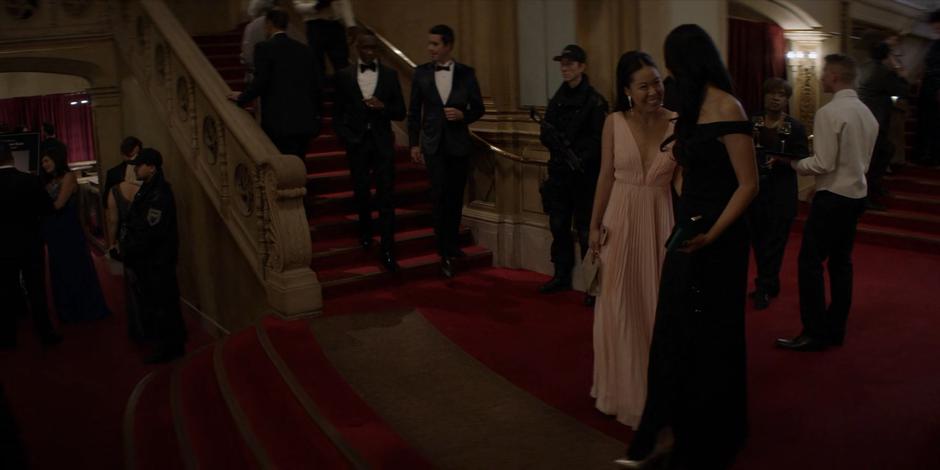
327 24
845 133
368 97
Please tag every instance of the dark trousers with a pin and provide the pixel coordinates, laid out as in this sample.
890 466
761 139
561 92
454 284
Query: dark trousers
292 144
568 197
367 159
829 235
12 300
158 298
328 39
770 231
448 180
880 160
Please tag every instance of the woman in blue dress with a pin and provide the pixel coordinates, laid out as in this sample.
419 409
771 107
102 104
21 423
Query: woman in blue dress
76 292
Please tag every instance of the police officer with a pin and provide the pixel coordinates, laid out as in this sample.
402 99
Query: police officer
149 247
575 119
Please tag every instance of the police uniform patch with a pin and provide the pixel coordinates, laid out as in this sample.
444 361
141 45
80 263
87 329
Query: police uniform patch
153 216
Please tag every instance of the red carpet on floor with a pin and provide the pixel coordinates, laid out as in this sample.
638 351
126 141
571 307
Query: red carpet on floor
874 403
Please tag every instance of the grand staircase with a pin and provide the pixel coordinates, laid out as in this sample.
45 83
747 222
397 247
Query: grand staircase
342 266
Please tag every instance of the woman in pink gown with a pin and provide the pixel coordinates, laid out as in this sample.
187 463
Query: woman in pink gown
633 205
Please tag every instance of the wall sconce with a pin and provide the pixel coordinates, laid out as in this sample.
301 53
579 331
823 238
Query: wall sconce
812 55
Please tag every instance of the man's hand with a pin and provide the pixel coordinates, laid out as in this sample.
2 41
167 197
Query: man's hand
416 155
374 103
453 114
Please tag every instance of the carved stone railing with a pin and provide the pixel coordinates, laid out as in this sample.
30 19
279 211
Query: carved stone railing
257 191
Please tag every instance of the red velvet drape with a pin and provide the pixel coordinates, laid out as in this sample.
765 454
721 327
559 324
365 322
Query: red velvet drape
73 123
756 52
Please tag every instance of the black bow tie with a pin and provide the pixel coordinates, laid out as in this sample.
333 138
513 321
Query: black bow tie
445 68
364 67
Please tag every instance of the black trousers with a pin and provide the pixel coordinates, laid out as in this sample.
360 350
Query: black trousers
292 144
328 39
829 235
32 267
568 197
158 298
448 181
880 160
770 230
367 159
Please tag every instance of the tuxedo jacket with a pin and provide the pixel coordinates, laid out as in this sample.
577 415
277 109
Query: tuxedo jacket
24 201
778 191
427 124
351 116
288 82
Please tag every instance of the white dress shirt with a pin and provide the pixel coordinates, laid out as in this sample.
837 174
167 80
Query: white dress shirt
444 79
367 80
845 132
339 10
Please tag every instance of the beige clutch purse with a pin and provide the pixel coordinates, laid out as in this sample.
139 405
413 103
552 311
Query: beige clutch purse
591 268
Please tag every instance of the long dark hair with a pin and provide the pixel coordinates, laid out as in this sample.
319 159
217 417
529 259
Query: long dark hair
694 61
59 156
629 63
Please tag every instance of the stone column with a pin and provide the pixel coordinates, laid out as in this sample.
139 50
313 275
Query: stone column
108 122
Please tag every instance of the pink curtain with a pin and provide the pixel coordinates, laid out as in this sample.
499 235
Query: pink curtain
73 123
756 52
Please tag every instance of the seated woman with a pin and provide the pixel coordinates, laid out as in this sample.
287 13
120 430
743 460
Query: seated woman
76 293
119 202
633 203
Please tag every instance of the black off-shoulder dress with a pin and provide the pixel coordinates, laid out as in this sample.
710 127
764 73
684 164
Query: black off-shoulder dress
697 370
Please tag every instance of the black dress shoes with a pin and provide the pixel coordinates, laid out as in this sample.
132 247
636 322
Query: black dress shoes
447 267
802 343
556 284
458 253
388 260
761 300
164 355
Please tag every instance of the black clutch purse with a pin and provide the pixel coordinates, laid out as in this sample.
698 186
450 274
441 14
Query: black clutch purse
684 231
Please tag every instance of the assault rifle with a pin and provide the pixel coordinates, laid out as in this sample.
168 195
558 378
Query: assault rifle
557 141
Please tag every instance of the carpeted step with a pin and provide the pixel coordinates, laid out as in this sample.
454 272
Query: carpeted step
212 432
292 343
341 180
220 38
329 154
913 184
221 48
150 436
342 226
912 202
916 221
290 438
919 171
356 279
225 60
325 143
888 236
408 244
406 195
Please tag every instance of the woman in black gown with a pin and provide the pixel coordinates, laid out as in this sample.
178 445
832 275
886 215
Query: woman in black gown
697 378
76 292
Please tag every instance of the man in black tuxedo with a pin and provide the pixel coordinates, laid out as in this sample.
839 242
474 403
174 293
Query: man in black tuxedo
368 98
287 81
130 147
445 100
24 201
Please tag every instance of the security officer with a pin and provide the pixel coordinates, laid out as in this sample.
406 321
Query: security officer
575 118
149 247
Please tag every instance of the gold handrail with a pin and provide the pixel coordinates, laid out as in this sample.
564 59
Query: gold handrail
401 56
